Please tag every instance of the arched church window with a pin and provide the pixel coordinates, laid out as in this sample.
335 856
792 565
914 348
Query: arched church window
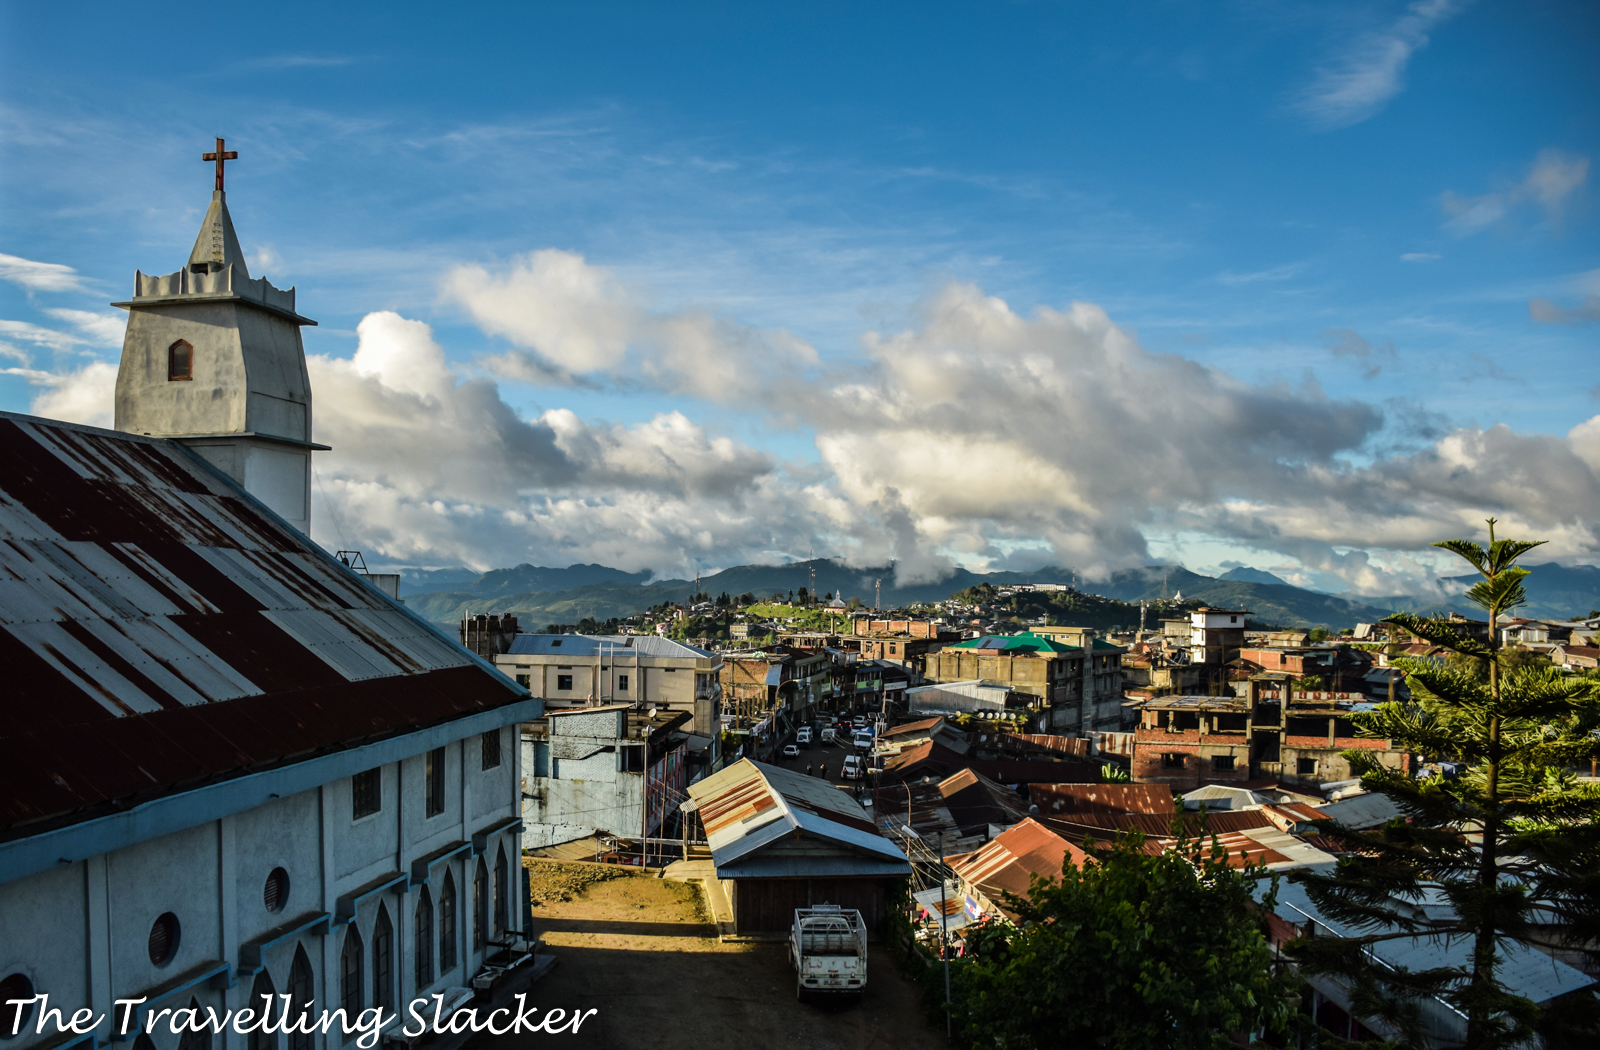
352 973
447 923
424 940
263 999
301 992
17 986
180 361
191 1039
480 905
500 899
383 960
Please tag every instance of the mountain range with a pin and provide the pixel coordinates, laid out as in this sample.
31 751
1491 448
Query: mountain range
539 595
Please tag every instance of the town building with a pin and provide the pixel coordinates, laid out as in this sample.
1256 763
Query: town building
230 765
610 769
581 670
1186 741
1075 687
1216 635
1300 662
781 840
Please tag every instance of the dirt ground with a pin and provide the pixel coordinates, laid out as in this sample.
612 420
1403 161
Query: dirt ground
642 952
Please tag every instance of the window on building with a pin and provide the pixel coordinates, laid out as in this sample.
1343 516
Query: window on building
1222 763
563 682
302 987
164 936
263 997
1172 760
524 680
180 362
555 643
383 961
422 939
434 776
366 793
16 986
491 749
275 893
622 683
352 972
480 905
192 1040
500 899
447 923
1306 767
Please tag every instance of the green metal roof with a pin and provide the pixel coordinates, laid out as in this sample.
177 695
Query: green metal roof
1026 642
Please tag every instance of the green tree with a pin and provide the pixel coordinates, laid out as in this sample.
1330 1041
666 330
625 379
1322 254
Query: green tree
1129 951
1512 845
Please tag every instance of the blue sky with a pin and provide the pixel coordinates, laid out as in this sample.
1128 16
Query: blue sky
1373 222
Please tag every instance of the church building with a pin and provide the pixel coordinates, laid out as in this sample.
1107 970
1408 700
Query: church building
229 765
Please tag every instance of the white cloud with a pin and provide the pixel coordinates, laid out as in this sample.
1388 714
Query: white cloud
40 276
38 335
83 395
1277 273
1358 84
1544 311
575 318
1420 257
101 329
1551 179
1371 357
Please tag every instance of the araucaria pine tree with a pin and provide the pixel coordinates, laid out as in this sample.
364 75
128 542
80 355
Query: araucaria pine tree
1511 844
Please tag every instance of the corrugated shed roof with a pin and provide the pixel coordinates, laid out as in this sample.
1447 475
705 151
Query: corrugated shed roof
161 628
750 805
1018 643
1116 798
1007 862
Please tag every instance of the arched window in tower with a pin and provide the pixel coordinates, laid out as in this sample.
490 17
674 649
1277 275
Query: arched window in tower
501 921
191 1039
447 923
480 905
180 361
383 961
424 940
263 998
302 989
352 973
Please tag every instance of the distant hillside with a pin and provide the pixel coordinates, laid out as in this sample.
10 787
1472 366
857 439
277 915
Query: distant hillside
1245 574
545 595
1555 592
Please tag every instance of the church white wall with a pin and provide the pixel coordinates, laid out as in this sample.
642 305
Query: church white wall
212 875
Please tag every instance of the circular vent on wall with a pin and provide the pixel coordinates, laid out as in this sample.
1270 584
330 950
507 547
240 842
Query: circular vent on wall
17 986
275 894
164 939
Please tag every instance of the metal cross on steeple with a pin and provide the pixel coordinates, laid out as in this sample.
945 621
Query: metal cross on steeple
220 157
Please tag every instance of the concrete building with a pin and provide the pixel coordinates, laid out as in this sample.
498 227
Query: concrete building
570 670
1216 635
608 769
1076 687
1186 741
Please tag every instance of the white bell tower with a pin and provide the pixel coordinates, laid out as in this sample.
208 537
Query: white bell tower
214 359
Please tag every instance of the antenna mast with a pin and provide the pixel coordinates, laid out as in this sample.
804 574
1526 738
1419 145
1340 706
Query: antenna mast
877 594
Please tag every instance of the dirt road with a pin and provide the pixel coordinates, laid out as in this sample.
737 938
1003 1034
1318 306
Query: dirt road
641 952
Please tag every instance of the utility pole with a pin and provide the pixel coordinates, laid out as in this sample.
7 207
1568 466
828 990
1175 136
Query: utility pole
944 944
877 594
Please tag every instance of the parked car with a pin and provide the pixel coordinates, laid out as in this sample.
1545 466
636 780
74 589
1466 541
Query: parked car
802 736
829 734
855 767
791 751
859 721
828 947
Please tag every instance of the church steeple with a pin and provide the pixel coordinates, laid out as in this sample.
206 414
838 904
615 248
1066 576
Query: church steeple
213 358
217 246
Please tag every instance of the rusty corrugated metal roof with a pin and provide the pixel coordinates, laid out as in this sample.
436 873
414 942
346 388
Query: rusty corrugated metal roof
159 628
1007 862
1087 798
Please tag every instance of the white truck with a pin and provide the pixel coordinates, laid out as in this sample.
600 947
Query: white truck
828 947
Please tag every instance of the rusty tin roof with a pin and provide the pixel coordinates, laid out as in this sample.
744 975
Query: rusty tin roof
160 629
